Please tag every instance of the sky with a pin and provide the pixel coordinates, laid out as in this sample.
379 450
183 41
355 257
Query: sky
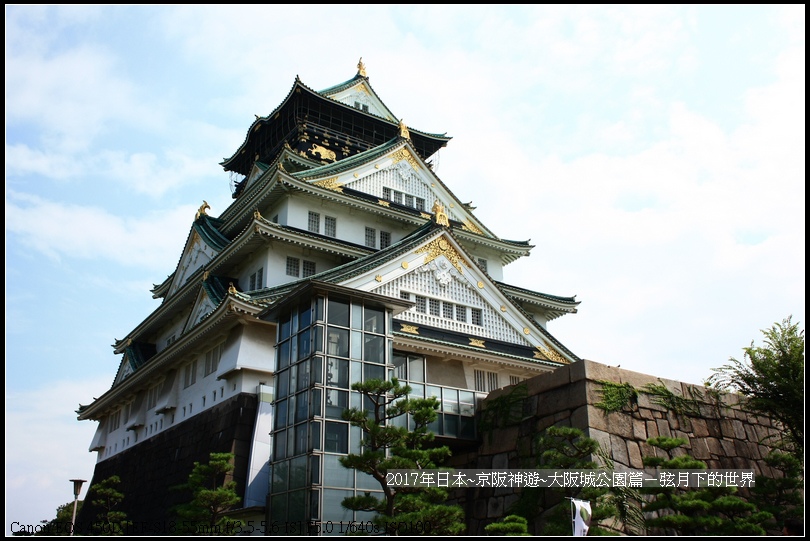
654 156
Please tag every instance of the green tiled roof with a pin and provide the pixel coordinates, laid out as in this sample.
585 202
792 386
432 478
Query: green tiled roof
208 229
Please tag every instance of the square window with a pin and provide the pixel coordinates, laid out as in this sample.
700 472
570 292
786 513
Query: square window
405 295
435 306
387 193
309 268
421 304
397 197
447 310
408 200
293 265
461 313
420 203
476 316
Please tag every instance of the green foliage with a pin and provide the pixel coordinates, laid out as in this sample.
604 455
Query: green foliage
211 496
510 525
566 448
771 378
616 396
388 447
503 410
105 496
709 510
673 402
780 496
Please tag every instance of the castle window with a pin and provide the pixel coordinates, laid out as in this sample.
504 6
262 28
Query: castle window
434 307
212 359
309 268
482 263
476 316
371 237
314 222
190 374
397 197
256 280
408 200
387 193
330 226
514 380
385 239
485 381
115 420
447 310
421 304
420 203
293 266
152 396
461 313
405 295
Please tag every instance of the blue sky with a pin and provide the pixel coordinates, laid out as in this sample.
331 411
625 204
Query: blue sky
653 155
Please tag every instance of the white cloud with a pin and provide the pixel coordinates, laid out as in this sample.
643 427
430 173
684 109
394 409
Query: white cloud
46 447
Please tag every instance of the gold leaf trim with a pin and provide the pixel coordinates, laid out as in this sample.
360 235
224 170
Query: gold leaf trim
480 285
550 354
404 264
469 226
526 330
477 343
404 154
384 203
410 329
438 247
330 184
378 277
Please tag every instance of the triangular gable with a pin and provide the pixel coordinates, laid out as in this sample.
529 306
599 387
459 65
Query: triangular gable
203 306
400 176
440 269
196 255
361 96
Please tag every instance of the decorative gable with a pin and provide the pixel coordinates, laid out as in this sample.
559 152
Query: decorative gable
362 97
196 255
203 306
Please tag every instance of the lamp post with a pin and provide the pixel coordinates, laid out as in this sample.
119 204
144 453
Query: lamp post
77 488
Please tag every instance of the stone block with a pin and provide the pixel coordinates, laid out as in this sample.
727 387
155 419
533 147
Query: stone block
699 428
595 371
652 429
541 383
585 416
700 449
618 450
713 426
728 447
562 415
634 455
663 428
739 429
500 461
495 507
503 440
639 430
726 428
715 449
600 436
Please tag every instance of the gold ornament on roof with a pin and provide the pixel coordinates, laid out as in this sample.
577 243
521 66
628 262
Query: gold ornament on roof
330 184
477 343
411 329
257 215
404 154
550 354
403 130
361 68
439 214
231 289
201 210
469 226
378 277
439 247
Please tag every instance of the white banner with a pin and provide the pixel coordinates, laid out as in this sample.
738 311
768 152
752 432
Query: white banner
581 510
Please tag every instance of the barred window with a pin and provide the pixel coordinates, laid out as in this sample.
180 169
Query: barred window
421 304
408 200
434 307
371 237
405 295
482 263
385 239
514 380
387 193
447 310
397 197
330 226
212 359
309 268
293 265
485 381
420 203
476 316
461 313
314 223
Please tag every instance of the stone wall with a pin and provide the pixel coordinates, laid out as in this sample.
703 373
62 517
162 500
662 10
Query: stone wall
718 431
149 469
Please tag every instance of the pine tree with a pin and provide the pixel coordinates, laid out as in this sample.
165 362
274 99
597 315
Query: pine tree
212 497
386 446
104 495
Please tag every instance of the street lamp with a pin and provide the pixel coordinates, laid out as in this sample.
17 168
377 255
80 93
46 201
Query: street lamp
77 488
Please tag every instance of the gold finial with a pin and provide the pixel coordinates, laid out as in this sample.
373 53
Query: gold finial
206 274
231 289
257 116
361 68
439 214
403 130
201 210
256 215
